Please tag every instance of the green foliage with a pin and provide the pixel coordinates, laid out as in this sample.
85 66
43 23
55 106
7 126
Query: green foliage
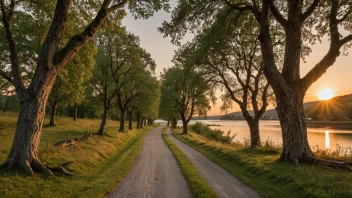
212 134
260 169
184 92
100 163
71 83
9 104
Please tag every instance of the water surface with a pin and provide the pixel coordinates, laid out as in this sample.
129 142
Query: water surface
270 130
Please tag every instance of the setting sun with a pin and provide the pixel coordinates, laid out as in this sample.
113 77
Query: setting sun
326 94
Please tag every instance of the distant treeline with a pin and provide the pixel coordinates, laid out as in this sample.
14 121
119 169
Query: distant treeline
336 109
88 109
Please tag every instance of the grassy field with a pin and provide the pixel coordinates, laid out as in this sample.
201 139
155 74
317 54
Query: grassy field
199 187
100 163
260 169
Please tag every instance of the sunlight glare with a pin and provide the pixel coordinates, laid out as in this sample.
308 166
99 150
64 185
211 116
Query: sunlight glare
326 94
327 140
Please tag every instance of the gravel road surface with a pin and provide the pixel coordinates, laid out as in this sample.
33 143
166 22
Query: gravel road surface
155 172
222 182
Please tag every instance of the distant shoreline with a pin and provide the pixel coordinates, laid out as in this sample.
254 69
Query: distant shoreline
342 125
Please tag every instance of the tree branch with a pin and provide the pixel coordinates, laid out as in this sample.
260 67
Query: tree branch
310 10
6 76
278 16
346 40
54 35
78 41
15 67
330 58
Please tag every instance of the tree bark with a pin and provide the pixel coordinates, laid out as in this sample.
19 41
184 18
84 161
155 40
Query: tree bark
168 122
254 131
130 120
294 129
289 94
54 107
25 147
76 112
103 122
174 123
138 120
145 122
122 120
185 124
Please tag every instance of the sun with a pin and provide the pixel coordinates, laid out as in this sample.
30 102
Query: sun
326 94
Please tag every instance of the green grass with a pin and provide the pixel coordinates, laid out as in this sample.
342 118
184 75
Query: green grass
199 187
100 163
260 169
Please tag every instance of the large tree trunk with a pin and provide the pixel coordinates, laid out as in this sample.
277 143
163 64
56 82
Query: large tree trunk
145 122
138 121
122 120
254 131
25 147
76 112
54 107
294 129
184 124
174 123
103 122
130 120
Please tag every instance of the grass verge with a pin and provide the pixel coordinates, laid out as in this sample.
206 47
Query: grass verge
199 187
260 169
100 163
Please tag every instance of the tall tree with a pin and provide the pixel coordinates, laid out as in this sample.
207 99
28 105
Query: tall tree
229 54
52 58
187 92
303 22
111 70
70 84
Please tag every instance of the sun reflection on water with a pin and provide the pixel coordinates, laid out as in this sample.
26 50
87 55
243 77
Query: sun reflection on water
327 140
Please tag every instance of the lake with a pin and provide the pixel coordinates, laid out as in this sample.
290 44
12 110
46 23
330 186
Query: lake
269 129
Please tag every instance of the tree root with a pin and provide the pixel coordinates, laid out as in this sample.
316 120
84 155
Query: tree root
40 167
37 166
59 170
65 143
5 164
345 165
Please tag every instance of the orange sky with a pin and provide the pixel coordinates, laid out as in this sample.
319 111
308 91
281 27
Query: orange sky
338 77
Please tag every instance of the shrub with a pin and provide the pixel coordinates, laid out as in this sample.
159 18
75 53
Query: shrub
213 134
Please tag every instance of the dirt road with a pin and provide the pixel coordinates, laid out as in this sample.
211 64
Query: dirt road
155 173
222 182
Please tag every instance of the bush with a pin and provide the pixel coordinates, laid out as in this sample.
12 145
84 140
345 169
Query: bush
213 134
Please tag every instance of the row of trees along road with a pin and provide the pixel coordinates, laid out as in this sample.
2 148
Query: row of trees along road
184 92
123 77
294 24
39 40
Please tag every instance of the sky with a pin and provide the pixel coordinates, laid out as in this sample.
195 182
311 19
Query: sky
338 77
